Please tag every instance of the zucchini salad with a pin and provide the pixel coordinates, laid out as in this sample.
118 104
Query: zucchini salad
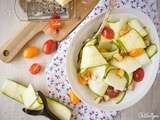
111 63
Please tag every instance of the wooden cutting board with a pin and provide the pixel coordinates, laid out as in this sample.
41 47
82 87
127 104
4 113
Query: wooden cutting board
11 47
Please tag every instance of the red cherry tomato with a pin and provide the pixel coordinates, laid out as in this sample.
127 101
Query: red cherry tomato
55 24
55 17
138 75
108 33
35 68
111 92
49 46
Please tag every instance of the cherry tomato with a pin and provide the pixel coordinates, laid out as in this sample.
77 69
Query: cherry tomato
136 52
30 52
49 46
74 99
55 17
111 92
35 68
138 75
108 33
55 24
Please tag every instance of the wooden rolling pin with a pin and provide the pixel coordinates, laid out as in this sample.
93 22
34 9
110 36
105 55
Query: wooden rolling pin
10 49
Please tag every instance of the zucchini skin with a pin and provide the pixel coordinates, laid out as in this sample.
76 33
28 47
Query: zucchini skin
49 100
151 50
121 98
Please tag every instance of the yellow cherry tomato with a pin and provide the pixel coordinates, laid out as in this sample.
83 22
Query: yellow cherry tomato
82 80
136 52
74 99
30 52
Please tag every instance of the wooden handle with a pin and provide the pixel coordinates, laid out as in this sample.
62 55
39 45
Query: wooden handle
11 47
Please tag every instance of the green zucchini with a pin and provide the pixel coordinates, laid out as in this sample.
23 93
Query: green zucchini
15 90
112 79
120 45
151 50
119 98
135 24
116 27
98 87
96 84
30 98
143 59
132 40
129 76
98 72
109 54
128 64
104 44
111 20
91 57
147 40
91 42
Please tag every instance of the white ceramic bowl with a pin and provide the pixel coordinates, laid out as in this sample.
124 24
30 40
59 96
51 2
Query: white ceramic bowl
150 70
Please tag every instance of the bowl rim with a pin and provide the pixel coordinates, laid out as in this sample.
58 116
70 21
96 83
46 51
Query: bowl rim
132 12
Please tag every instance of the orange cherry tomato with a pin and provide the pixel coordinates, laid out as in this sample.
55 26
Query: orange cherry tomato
111 92
108 33
30 52
138 75
35 68
55 24
49 46
74 99
82 80
136 52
